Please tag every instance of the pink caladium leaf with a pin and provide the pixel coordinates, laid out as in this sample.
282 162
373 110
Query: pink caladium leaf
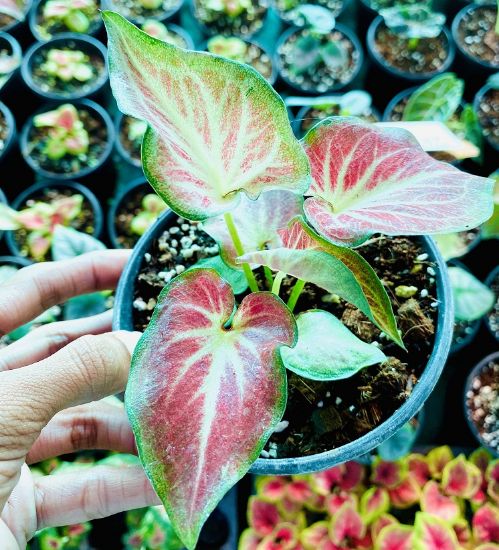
405 494
38 244
283 537
481 458
346 525
315 535
374 503
437 459
485 524
388 473
395 537
249 540
461 478
367 179
380 523
488 546
290 510
203 398
434 502
492 477
337 499
216 127
299 490
353 476
316 503
324 482
257 223
337 269
433 533
13 8
463 532
419 468
271 488
263 516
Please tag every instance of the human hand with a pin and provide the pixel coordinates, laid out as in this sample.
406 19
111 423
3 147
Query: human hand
51 382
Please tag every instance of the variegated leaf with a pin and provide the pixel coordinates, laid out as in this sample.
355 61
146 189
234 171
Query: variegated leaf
202 397
432 533
216 127
12 8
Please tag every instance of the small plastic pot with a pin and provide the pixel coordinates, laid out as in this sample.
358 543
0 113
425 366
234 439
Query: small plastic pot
120 148
476 103
33 190
95 26
86 44
9 42
123 320
337 87
477 369
488 281
87 104
13 27
12 133
165 15
15 261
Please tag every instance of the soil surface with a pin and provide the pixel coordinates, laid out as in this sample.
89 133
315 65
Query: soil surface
49 29
49 83
131 146
493 316
324 415
132 9
291 16
462 331
5 20
319 78
488 114
4 131
477 36
128 209
427 57
84 222
245 24
69 164
483 404
316 114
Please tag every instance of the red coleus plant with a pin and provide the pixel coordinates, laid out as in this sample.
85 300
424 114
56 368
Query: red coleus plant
208 382
368 515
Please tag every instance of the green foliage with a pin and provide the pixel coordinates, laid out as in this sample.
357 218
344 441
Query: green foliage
152 206
490 229
472 299
74 14
230 47
67 65
413 21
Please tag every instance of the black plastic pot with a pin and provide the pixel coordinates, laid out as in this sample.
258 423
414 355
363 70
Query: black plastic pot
91 106
488 281
340 86
473 374
87 44
123 320
21 199
8 42
491 148
13 27
12 134
123 151
15 261
166 15
95 27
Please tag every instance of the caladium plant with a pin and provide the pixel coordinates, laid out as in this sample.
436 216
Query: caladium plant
13 8
208 382
73 14
67 65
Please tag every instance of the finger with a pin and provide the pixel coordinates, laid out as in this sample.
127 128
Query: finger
86 370
48 339
96 425
65 499
35 288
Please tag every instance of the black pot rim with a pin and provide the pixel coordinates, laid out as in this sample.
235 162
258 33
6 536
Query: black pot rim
288 23
16 51
488 281
116 203
472 426
346 31
108 5
286 466
476 103
420 77
15 260
50 184
10 28
88 40
11 123
34 31
89 104
455 28
122 151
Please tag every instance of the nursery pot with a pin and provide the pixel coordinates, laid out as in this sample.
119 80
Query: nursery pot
20 200
477 369
11 132
491 148
15 261
164 16
494 331
88 45
16 26
123 320
93 108
9 42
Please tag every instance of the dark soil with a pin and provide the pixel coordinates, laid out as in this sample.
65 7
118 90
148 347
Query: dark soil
320 78
4 131
427 57
318 113
245 24
287 12
49 83
5 20
324 415
493 316
84 222
488 114
128 209
131 146
69 164
483 404
49 29
477 36
132 9
462 332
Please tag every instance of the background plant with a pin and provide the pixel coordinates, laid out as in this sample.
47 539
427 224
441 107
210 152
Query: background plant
67 65
76 15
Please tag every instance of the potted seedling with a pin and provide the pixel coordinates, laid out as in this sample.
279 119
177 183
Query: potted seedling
230 17
243 51
172 34
50 17
133 211
7 130
492 319
12 13
208 392
67 67
70 141
141 10
410 42
421 501
320 57
476 33
487 107
37 212
129 135
482 405
10 58
289 10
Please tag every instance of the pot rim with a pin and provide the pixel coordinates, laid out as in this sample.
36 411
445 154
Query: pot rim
122 320
476 102
11 123
488 281
167 15
18 261
12 26
16 51
345 5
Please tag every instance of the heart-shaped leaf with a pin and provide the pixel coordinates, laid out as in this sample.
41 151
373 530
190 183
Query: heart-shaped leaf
492 477
257 223
337 269
216 127
203 398
437 459
395 537
481 458
374 503
461 478
388 473
327 350
346 525
337 499
284 537
312 537
432 533
234 277
485 524
249 540
472 299
263 516
382 522
436 503
418 468
368 179
405 494
463 532
69 243
271 488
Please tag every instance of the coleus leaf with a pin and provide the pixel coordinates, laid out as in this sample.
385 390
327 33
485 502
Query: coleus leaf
346 525
485 524
368 179
249 540
337 269
373 503
492 477
216 127
383 521
283 537
337 499
472 299
432 533
257 223
271 488
463 532
388 473
327 350
418 468
203 398
395 537
434 502
461 478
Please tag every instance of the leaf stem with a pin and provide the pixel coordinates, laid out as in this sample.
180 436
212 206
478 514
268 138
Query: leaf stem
276 287
268 276
234 235
295 294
